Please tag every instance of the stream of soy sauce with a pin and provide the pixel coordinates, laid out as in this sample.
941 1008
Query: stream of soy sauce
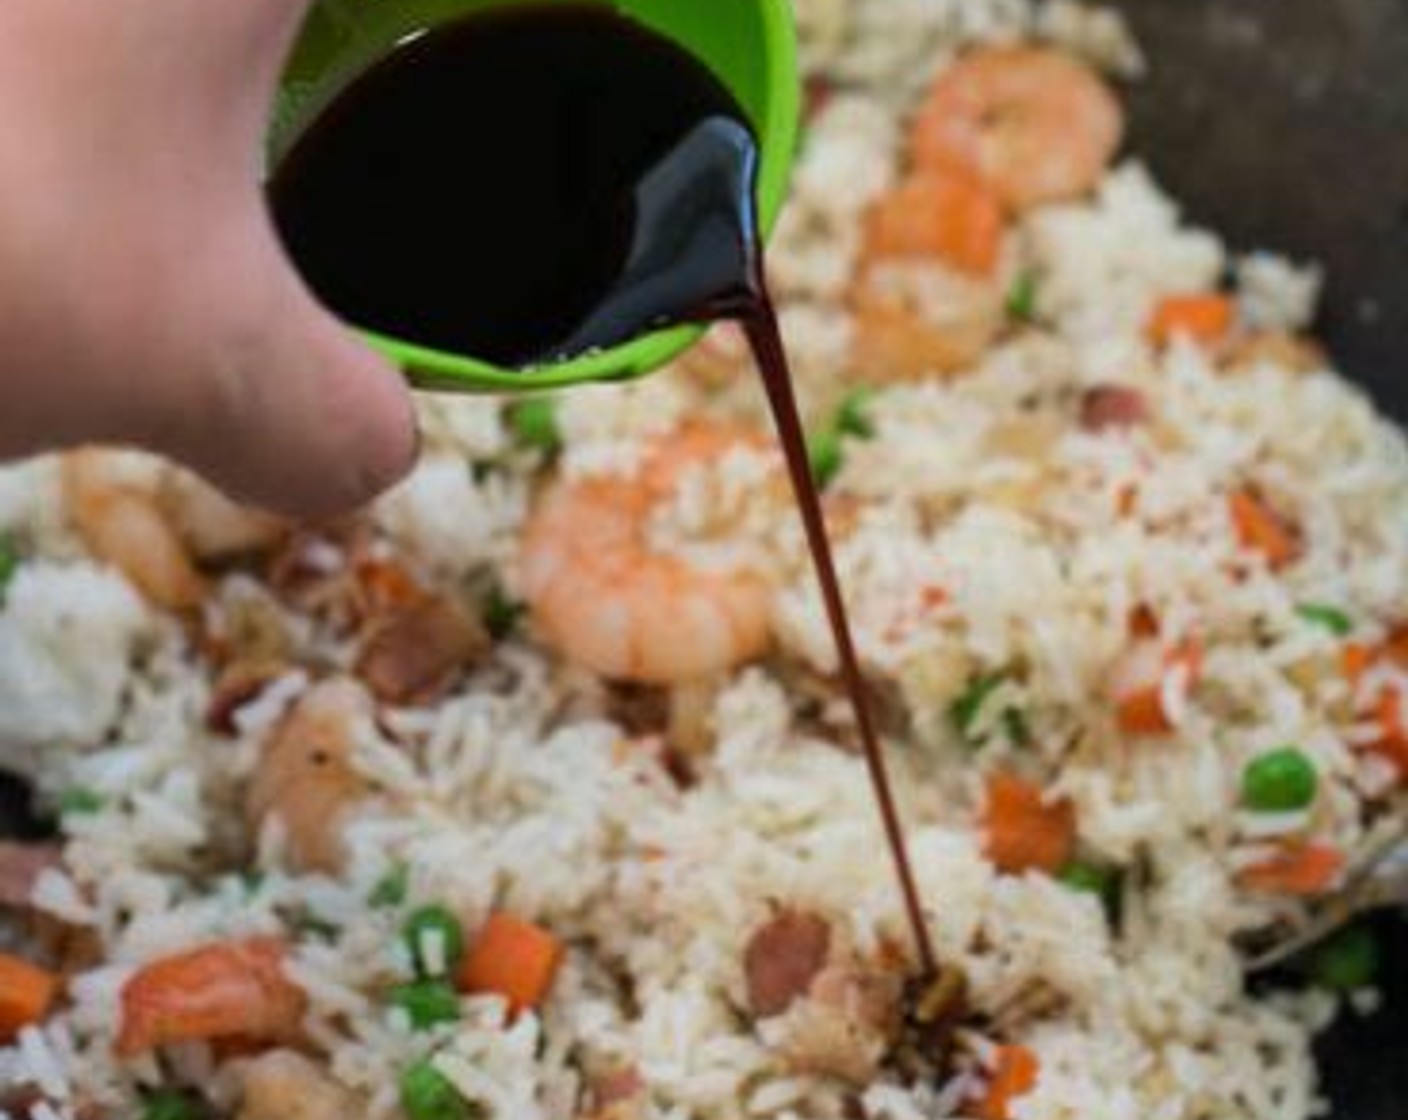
601 184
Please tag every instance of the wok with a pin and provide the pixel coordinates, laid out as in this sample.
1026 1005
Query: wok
1282 124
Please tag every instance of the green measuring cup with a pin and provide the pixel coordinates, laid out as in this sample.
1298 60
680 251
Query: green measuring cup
749 44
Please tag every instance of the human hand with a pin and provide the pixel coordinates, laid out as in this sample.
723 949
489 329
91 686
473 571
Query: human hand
144 295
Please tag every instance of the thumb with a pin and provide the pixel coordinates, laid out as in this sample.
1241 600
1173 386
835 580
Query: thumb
297 414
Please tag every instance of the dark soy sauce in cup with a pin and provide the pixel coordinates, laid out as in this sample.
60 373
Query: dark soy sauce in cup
480 189
537 182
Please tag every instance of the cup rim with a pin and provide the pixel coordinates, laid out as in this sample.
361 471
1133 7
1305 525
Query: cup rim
428 367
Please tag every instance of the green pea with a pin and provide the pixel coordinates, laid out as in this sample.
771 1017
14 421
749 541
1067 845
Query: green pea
826 453
430 921
9 563
853 416
1348 961
1021 300
501 614
391 889
1280 781
963 712
534 424
427 1003
1327 618
427 1094
80 802
169 1104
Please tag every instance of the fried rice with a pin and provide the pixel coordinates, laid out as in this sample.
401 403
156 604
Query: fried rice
1012 552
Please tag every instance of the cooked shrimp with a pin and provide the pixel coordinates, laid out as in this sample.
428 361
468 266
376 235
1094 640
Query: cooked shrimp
1034 124
938 214
604 597
121 522
305 778
916 318
213 527
229 990
284 1085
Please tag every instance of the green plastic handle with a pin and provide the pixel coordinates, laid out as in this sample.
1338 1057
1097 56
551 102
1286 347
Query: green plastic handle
750 44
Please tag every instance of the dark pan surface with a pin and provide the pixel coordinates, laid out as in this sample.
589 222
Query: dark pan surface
1283 124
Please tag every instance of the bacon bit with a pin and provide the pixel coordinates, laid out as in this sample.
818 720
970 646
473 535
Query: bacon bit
1127 500
1299 870
782 958
1014 1074
1355 659
414 651
817 94
617 1087
938 214
1107 407
222 991
1205 318
1395 646
240 684
1143 622
21 866
1023 831
1262 530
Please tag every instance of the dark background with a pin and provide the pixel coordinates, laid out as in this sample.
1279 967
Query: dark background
1283 124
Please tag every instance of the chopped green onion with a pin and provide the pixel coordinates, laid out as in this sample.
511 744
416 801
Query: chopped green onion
1327 618
1280 781
826 454
1348 961
169 1104
853 416
431 922
427 1094
964 711
501 614
1021 300
391 889
1091 878
79 802
9 563
253 882
427 1003
534 424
